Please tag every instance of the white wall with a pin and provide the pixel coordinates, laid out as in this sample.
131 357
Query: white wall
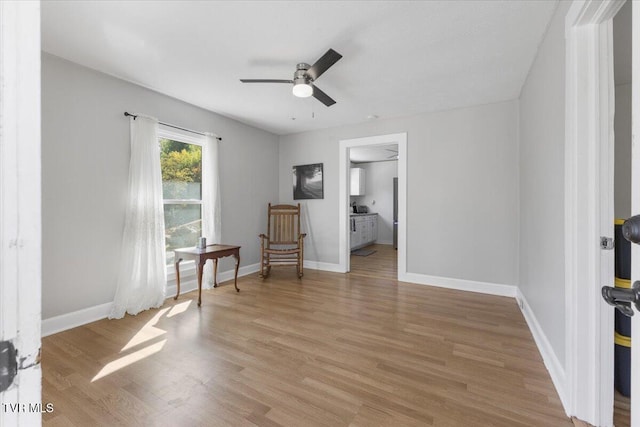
85 161
542 135
379 189
622 129
462 190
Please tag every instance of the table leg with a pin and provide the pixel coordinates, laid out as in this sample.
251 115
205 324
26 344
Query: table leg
215 272
199 269
177 278
235 278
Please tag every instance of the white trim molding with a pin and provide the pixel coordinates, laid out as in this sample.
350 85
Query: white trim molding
588 130
324 266
224 276
459 284
81 317
63 322
21 204
551 361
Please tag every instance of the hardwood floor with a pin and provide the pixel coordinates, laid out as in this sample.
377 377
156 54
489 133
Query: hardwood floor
621 411
383 264
330 349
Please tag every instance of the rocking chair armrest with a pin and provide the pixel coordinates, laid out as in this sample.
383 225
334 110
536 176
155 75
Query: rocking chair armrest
265 241
302 236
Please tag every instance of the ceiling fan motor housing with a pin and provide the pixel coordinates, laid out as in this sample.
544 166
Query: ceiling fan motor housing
301 76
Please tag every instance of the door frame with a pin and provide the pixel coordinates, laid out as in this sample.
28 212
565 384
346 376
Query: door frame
635 209
344 186
589 140
20 207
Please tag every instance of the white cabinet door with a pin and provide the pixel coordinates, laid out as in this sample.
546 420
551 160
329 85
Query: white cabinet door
374 228
366 229
357 182
360 230
355 236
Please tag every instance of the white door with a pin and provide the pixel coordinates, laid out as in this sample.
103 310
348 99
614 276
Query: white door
20 246
635 210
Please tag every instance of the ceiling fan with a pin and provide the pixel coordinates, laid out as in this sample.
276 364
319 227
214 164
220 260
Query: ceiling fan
305 76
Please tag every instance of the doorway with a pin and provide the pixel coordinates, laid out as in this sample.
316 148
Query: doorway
345 204
373 213
622 204
589 210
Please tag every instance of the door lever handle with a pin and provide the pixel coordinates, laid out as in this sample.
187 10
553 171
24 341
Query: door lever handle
623 299
631 229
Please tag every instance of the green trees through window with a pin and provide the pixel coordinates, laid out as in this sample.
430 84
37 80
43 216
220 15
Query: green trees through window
181 166
180 162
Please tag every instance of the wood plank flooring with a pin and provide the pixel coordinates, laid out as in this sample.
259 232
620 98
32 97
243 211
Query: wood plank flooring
331 349
621 411
383 264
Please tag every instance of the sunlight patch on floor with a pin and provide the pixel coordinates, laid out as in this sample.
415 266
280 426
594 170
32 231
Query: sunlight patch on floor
179 308
148 331
127 360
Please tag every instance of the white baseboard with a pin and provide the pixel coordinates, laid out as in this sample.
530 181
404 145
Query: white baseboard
223 276
551 361
186 286
81 317
384 242
63 322
460 284
324 266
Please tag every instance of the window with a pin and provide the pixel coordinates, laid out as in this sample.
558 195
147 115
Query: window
181 166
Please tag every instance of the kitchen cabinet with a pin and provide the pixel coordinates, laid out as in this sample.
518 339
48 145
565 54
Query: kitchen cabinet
364 230
357 182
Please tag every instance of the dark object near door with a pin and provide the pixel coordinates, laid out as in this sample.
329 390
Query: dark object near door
8 364
631 229
622 252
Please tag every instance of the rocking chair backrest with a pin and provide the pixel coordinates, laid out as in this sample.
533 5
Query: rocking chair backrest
284 224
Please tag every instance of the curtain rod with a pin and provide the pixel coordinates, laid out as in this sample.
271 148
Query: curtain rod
127 114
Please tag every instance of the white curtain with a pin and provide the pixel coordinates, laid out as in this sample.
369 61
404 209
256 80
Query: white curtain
142 278
211 226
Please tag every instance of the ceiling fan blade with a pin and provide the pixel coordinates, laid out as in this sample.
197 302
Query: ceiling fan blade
265 81
322 97
323 64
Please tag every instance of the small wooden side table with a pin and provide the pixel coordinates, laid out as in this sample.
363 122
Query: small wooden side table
200 256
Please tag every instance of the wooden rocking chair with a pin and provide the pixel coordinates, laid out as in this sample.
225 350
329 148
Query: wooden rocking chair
283 244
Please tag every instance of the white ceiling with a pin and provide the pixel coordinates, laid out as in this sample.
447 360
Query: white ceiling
400 58
373 153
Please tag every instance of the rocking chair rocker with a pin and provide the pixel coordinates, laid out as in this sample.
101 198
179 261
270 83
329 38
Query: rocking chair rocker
283 244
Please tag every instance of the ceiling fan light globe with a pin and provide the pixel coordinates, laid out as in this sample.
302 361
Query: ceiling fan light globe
302 90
